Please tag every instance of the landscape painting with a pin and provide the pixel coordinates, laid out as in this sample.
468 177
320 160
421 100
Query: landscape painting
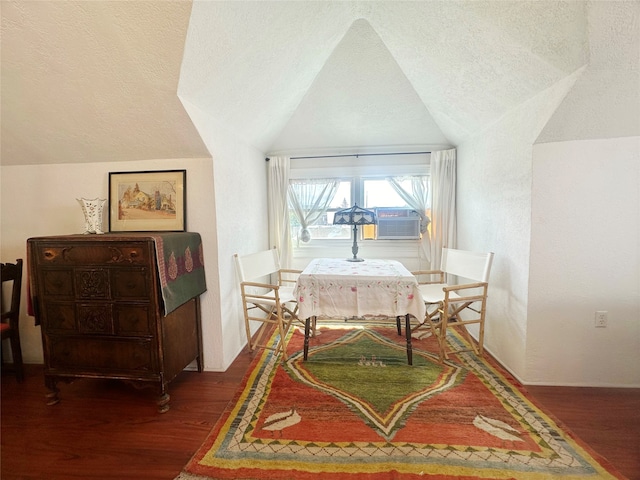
147 201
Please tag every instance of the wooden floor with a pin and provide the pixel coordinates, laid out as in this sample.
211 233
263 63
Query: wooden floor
106 429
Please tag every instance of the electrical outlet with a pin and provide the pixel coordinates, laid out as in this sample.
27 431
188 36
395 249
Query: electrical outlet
601 319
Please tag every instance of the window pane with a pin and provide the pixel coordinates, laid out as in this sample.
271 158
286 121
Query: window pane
382 197
324 228
378 193
342 198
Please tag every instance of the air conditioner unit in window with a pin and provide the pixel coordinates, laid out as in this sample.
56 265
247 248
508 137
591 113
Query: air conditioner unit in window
397 224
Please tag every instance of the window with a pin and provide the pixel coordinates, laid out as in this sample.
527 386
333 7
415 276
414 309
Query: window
324 227
379 193
375 193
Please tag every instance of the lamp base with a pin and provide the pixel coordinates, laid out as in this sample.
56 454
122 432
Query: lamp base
355 259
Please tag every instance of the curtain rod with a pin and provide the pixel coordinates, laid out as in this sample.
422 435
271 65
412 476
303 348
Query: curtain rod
357 155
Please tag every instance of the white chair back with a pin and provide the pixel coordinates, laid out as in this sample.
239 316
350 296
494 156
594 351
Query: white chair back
264 301
472 265
257 265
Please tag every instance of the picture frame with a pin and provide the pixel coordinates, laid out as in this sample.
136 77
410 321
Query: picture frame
148 201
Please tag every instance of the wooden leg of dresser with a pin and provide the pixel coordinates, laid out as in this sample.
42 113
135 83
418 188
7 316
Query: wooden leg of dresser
52 395
163 403
199 358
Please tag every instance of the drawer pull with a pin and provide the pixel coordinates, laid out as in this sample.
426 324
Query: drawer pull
116 254
52 254
129 256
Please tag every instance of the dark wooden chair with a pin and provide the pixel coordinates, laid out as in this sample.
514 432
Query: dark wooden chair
11 274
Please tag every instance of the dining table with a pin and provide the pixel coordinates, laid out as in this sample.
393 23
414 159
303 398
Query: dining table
372 288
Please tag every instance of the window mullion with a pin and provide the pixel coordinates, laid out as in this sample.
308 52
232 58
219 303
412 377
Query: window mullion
358 191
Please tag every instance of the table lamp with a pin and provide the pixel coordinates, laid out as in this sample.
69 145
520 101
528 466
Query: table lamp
355 216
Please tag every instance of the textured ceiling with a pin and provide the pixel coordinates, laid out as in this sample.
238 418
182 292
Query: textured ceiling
306 71
93 81
361 97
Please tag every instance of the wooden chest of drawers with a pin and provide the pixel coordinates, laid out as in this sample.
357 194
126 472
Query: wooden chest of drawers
99 302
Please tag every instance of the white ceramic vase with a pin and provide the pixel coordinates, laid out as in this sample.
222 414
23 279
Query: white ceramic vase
92 210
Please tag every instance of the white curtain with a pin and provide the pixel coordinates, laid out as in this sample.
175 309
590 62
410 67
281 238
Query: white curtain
418 200
278 183
310 199
443 203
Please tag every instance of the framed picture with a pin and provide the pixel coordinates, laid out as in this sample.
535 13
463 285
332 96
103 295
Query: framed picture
148 201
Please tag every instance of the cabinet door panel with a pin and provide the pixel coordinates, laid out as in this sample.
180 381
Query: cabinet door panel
57 283
130 284
133 320
92 283
107 355
59 316
95 318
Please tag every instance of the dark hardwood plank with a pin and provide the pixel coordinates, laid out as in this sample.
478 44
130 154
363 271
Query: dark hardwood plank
606 419
105 429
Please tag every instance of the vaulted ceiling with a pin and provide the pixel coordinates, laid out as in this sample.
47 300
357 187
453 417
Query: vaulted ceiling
92 81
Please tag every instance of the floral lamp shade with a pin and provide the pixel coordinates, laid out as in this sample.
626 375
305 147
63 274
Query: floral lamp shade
355 216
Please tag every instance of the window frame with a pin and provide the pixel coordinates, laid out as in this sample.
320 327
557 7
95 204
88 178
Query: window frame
356 170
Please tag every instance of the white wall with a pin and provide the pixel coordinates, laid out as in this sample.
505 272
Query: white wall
494 214
585 256
585 241
563 217
241 223
39 200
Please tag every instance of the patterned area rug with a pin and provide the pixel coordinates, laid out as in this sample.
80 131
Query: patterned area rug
356 411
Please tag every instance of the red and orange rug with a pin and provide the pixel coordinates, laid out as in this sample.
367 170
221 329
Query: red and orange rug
356 411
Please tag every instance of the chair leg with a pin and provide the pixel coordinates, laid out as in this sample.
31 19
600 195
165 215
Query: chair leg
477 347
250 344
483 309
442 337
282 341
472 342
247 327
438 330
481 339
16 353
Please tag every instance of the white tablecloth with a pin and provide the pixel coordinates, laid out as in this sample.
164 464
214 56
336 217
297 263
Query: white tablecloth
337 288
